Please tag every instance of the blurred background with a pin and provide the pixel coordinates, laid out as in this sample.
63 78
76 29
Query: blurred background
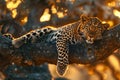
21 16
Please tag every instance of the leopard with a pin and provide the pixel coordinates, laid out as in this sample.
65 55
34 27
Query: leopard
88 29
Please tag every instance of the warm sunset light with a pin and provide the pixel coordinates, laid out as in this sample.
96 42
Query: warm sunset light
60 39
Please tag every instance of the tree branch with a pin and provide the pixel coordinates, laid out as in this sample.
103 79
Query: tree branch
42 52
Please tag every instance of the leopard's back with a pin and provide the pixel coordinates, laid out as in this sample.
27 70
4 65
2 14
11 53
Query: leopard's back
33 36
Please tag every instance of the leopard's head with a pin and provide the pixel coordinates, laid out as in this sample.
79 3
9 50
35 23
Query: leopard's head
92 28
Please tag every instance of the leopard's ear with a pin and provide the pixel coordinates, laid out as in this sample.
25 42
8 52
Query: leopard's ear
105 26
83 18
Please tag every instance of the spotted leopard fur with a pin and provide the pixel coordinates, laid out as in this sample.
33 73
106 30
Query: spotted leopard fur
87 28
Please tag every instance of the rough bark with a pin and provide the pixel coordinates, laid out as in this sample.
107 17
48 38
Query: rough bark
39 53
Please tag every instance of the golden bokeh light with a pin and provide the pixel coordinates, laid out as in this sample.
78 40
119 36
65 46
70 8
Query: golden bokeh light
11 5
24 20
114 62
46 16
116 13
53 9
14 13
60 14
100 68
111 4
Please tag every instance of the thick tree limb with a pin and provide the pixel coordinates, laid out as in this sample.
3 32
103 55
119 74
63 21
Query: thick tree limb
46 52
